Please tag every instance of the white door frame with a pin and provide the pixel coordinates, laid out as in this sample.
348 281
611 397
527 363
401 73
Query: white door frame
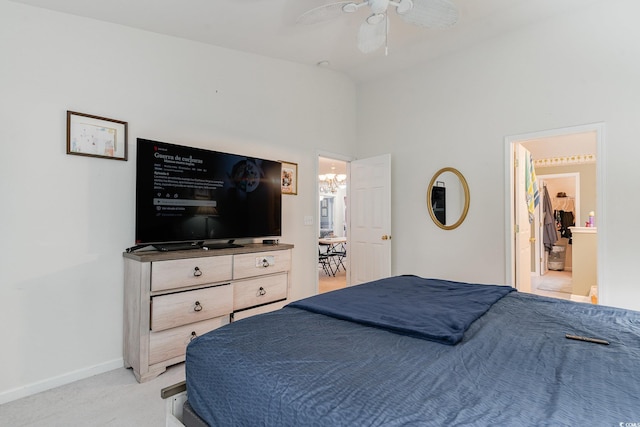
510 143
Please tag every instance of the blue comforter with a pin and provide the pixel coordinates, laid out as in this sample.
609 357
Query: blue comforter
513 367
432 309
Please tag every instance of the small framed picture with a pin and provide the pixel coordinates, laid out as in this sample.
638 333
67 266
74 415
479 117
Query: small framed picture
289 178
95 136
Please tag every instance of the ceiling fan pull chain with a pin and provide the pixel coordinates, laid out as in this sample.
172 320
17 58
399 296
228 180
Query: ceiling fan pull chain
386 35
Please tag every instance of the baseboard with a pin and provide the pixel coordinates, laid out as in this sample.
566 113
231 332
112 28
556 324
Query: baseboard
580 298
60 380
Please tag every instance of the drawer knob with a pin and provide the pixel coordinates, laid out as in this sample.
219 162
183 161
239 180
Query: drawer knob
197 272
265 263
193 336
262 291
198 306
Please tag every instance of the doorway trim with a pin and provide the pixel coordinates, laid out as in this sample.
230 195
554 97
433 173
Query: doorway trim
510 144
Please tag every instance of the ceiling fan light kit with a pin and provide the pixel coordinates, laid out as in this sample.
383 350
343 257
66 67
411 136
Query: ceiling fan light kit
371 37
423 13
375 19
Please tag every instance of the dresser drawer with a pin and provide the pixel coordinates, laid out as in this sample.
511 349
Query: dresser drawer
165 345
179 273
239 315
261 290
182 308
259 263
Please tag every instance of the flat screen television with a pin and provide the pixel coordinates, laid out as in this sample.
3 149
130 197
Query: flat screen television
187 195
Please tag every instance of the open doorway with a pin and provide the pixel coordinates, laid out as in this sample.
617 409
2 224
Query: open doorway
332 224
563 152
552 259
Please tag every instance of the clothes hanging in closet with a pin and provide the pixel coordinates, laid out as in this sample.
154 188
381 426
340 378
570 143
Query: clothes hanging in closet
550 235
564 204
565 220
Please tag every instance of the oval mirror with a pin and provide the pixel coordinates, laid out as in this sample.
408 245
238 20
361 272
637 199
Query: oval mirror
448 198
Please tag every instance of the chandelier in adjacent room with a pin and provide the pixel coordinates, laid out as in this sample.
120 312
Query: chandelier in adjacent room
330 182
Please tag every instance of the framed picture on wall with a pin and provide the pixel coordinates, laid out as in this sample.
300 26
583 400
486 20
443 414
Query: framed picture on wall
289 178
95 136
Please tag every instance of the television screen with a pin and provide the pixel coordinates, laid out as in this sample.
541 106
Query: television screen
186 194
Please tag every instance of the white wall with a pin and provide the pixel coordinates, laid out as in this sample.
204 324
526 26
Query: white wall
578 69
66 219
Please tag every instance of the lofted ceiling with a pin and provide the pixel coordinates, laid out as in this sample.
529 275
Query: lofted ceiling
269 28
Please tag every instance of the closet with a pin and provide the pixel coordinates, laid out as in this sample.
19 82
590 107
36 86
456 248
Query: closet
562 214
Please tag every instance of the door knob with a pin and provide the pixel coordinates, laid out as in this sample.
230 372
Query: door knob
385 237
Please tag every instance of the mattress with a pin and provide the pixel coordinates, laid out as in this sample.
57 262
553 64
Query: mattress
513 366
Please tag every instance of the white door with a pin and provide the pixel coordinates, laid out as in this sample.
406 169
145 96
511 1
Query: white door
370 219
522 225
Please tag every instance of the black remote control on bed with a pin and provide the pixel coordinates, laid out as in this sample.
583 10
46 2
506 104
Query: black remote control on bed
587 339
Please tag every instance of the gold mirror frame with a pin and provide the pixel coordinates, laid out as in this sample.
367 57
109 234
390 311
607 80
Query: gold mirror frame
465 187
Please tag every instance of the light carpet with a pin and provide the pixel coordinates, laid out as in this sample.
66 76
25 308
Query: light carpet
564 286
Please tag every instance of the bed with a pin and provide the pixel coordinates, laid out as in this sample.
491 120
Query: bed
413 351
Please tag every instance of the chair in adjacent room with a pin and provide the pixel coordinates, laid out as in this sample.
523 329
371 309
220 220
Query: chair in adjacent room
326 260
340 252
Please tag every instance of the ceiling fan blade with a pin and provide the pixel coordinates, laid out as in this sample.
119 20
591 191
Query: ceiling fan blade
322 13
432 13
372 37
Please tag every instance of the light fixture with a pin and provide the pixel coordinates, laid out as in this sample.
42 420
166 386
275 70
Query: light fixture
376 18
330 182
374 31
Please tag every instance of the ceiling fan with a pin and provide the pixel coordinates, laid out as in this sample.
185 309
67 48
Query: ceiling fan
374 30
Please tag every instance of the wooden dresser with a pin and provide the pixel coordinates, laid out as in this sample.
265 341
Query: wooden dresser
172 297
